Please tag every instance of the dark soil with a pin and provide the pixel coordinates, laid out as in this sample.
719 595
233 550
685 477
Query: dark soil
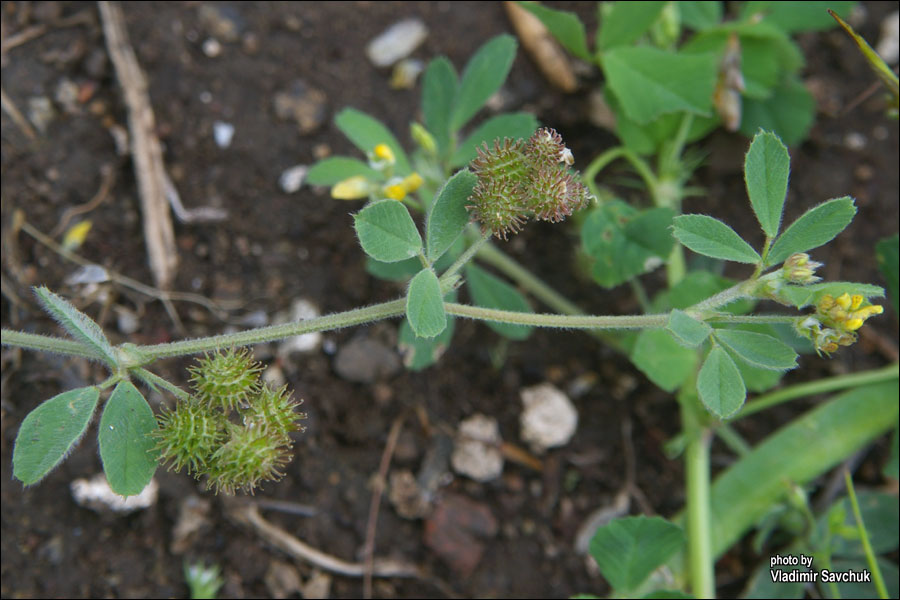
275 248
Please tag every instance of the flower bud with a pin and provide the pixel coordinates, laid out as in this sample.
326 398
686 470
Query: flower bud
423 138
799 269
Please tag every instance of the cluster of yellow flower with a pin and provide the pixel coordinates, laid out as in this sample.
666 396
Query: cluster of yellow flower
836 320
396 188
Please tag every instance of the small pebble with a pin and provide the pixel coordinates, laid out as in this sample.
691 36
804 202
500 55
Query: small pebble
40 112
301 310
396 42
303 104
889 45
66 95
223 133
291 179
126 320
364 360
212 47
549 418
221 21
476 451
95 494
855 140
88 274
406 496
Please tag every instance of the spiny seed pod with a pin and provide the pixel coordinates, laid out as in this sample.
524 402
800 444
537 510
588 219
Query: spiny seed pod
498 206
518 180
273 413
188 436
505 162
226 379
546 189
248 458
545 150
239 451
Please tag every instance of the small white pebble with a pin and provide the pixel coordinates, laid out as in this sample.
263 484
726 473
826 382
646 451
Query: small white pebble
95 494
396 42
212 47
889 45
300 311
855 140
223 133
476 449
291 179
549 418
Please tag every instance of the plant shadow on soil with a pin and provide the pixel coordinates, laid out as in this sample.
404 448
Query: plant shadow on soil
276 247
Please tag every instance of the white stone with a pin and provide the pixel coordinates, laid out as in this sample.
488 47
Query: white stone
223 133
396 42
95 493
291 179
301 310
476 449
889 44
549 418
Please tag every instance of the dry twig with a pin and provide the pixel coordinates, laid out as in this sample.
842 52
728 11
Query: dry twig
145 148
375 505
163 296
108 174
10 108
247 514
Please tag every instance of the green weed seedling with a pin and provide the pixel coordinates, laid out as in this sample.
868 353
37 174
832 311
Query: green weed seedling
702 338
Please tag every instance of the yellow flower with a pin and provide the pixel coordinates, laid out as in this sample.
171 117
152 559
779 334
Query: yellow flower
395 192
836 321
384 152
412 182
398 190
352 188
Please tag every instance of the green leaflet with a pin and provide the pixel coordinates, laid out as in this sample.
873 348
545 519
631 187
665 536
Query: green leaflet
687 330
439 89
627 550
387 232
79 325
789 112
425 305
626 22
337 168
126 446
818 226
448 216
566 27
711 237
625 242
758 349
649 82
766 169
484 74
720 385
50 431
664 361
419 353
